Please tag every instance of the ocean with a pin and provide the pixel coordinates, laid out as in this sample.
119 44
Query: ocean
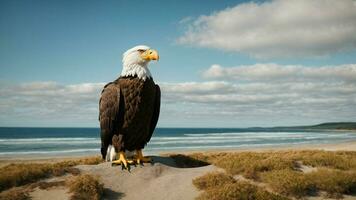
58 142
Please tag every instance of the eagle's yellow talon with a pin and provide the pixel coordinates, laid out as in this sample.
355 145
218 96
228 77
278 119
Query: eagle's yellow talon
122 160
140 159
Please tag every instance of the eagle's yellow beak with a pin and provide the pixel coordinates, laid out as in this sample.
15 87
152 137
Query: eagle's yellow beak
150 54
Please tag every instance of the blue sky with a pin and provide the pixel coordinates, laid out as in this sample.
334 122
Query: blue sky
48 48
82 41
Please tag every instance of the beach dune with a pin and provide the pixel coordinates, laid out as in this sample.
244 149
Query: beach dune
161 180
165 178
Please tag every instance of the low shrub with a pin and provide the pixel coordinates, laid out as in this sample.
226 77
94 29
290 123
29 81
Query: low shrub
85 187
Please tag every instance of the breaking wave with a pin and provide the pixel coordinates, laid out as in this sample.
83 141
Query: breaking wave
79 144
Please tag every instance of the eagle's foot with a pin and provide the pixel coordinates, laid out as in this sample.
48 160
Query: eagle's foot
123 161
140 159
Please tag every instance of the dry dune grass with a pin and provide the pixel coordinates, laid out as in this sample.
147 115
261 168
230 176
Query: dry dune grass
85 187
22 193
43 185
82 187
20 174
334 182
211 180
219 186
15 194
344 160
251 164
335 174
289 182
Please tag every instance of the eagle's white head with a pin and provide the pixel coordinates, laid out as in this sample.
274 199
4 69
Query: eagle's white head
135 61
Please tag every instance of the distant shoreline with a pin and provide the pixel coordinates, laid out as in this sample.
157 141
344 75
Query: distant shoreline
328 126
341 146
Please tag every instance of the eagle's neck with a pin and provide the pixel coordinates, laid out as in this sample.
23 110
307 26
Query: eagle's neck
141 71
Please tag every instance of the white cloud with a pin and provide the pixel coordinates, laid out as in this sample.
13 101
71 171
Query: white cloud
49 103
196 87
256 95
261 104
278 28
265 94
274 72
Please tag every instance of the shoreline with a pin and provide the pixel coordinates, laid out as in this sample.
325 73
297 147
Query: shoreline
322 142
342 146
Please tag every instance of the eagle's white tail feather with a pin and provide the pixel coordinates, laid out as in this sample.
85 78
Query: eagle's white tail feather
110 154
107 158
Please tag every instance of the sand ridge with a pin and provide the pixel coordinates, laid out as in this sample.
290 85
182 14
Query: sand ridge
161 180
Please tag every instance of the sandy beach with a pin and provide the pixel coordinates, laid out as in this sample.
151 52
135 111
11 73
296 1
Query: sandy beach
163 179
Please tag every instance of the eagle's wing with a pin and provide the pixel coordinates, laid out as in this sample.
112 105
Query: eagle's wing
156 110
111 114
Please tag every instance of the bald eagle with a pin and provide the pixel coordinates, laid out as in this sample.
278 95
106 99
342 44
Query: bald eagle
129 108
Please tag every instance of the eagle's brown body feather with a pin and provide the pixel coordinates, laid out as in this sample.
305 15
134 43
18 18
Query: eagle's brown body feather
128 113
